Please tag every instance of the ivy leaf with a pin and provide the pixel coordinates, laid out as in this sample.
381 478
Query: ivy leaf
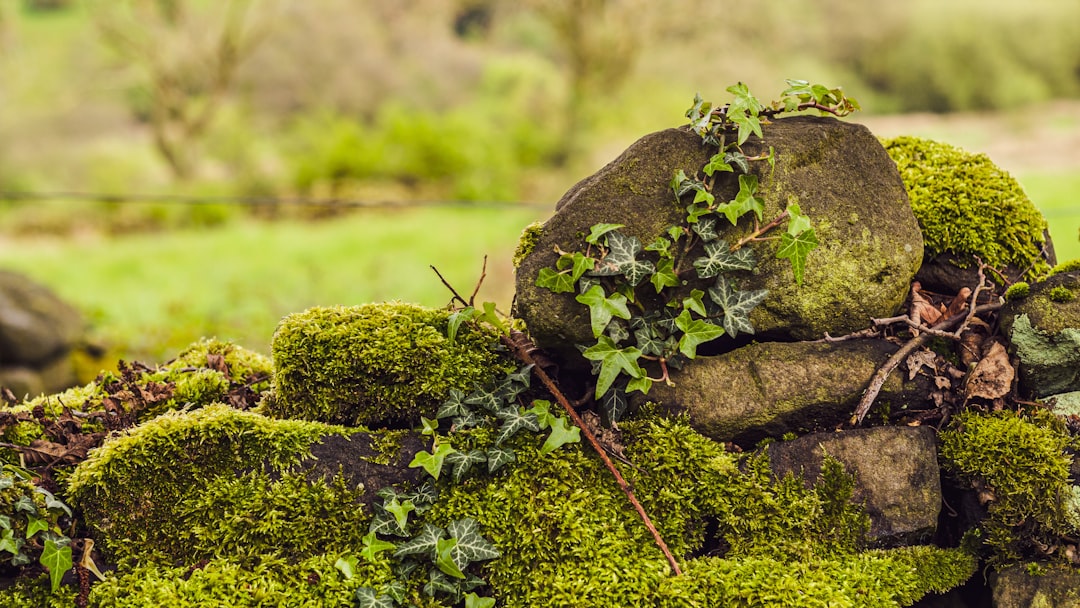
6 481
745 201
695 211
676 233
347 564
642 384
508 390
498 457
704 196
796 249
25 504
716 163
5 522
469 419
396 590
622 259
613 404
400 511
373 546
453 406
439 583
384 523
430 427
463 461
694 302
682 185
665 275
718 259
744 100
514 421
736 305
562 433
699 114
444 559
51 502
695 333
737 158
661 246
616 330
366 598
797 222
423 497
454 321
542 409
57 558
706 229
432 463
599 230
748 125
613 360
522 376
475 601
471 545
649 343
487 399
602 308
9 543
556 282
35 524
423 543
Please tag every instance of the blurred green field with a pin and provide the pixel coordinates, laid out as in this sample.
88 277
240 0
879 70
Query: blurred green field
1057 195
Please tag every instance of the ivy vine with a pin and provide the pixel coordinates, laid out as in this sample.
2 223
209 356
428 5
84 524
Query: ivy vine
643 320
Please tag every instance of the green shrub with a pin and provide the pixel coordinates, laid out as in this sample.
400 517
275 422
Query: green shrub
967 206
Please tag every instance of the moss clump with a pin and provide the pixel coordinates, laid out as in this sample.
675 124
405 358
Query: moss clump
1021 462
967 206
37 593
568 537
132 488
527 243
1068 266
1017 291
312 583
1061 294
375 365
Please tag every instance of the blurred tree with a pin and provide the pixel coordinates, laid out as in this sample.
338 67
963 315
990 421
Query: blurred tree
186 55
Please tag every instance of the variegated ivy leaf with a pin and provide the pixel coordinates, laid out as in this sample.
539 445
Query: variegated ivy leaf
719 259
469 420
649 343
423 543
396 590
613 404
366 598
471 545
498 457
603 308
453 406
734 157
515 420
423 497
617 331
622 259
665 275
384 524
736 305
700 114
439 583
485 398
695 333
706 228
522 376
463 461
508 390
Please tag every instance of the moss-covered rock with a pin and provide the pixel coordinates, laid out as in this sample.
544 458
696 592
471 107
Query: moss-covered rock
527 243
568 537
1021 468
222 483
895 470
1044 333
376 365
1017 587
967 207
870 246
768 389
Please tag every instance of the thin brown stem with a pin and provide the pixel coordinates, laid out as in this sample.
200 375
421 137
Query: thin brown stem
760 231
479 282
457 296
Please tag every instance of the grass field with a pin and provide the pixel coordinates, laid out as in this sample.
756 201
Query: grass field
1057 195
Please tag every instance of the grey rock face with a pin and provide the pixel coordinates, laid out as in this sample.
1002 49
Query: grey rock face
896 475
1044 332
1015 588
837 172
35 325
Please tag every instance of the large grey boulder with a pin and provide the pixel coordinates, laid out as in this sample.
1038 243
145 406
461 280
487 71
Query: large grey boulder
768 389
1015 587
896 475
35 325
837 172
1044 333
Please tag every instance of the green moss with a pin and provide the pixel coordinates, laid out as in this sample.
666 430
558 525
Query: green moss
375 365
1068 266
1021 461
527 243
568 537
1060 294
312 583
132 487
1017 291
36 593
967 206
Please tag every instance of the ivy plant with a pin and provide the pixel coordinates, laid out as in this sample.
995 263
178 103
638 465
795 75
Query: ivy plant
30 525
644 321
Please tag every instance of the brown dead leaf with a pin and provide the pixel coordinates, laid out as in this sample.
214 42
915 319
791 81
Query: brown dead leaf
609 438
958 304
923 310
993 376
920 359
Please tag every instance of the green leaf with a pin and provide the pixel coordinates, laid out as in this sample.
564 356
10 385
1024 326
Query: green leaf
25 504
748 125
642 384
492 317
695 211
695 303
444 559
562 432
6 481
699 114
599 230
542 409
796 249
602 308
35 524
366 598
384 523
676 233
706 228
704 196
400 511
5 522
515 420
660 245
736 305
424 543
453 406
471 545
617 331
648 342
475 601
745 201
463 461
372 547
498 457
57 558
9 543
432 463
613 360
486 398
347 564
613 404
454 321
557 282
716 163
744 101
430 427
622 259
695 333
719 259
665 275
797 222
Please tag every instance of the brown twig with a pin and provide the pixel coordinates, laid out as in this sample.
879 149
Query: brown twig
524 355
457 296
882 374
479 282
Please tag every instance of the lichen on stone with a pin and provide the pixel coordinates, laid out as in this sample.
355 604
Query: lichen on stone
375 365
968 206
